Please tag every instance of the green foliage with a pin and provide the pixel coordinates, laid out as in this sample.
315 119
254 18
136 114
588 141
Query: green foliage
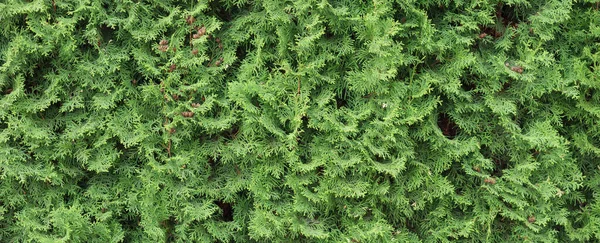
299 121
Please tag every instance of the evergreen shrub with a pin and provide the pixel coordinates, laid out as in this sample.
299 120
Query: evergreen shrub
299 121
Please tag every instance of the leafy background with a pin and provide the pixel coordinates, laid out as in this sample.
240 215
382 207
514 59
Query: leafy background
304 121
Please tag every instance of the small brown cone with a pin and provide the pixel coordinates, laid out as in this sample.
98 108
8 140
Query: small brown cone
490 180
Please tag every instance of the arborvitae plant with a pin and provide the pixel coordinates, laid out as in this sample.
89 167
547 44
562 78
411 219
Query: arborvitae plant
299 121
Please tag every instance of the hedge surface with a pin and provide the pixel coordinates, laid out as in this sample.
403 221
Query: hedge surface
299 121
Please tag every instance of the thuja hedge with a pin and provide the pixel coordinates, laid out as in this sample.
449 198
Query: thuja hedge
299 121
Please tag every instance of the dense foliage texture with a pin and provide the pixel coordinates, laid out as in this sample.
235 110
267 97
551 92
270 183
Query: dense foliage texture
302 121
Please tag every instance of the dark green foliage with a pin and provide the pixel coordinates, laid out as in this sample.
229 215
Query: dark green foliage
299 121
